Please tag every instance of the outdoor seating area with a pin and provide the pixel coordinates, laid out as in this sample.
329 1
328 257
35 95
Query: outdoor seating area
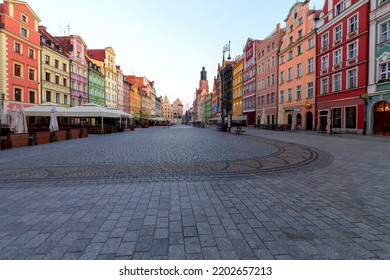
47 123
279 127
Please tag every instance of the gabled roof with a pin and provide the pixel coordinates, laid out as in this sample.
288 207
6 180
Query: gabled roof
97 54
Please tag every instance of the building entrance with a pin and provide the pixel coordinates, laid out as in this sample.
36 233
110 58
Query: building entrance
382 118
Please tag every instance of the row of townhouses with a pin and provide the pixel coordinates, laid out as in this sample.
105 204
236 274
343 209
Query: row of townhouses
37 67
323 70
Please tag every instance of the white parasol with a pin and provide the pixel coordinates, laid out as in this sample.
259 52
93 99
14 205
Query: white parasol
53 120
14 119
22 121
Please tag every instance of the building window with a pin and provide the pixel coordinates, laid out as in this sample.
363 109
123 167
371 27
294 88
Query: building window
337 82
324 86
300 21
31 96
290 55
23 32
299 50
17 70
350 117
31 74
282 59
47 59
57 80
310 43
352 50
310 65
337 55
282 77
310 90
272 98
58 100
56 64
64 67
18 94
336 118
23 18
290 73
48 96
300 34
385 32
282 96
352 78
289 95
325 40
353 24
65 99
299 93
31 53
384 71
339 8
65 82
299 70
325 62
17 48
48 76
338 33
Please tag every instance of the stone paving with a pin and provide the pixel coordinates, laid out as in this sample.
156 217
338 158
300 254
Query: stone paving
191 193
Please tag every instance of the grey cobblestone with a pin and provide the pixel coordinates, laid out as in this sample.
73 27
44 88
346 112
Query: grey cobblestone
263 195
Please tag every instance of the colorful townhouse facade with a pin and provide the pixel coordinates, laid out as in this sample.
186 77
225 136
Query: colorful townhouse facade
249 81
297 72
342 66
238 70
96 85
19 57
55 70
120 92
107 57
135 98
78 68
378 99
126 95
267 78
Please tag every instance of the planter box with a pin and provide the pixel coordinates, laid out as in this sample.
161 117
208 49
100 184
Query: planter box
83 132
43 137
18 140
74 133
61 135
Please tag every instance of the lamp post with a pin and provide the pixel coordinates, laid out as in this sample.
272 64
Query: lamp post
226 48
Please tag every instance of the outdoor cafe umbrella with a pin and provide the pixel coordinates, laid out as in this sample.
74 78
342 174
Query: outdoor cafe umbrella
14 119
53 120
263 117
22 121
280 116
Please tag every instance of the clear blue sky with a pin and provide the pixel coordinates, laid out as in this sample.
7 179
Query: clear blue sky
167 41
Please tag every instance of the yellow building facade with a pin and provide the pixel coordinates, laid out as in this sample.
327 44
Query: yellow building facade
238 70
297 75
55 73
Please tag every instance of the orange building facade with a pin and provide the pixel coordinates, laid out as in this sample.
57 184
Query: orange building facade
297 72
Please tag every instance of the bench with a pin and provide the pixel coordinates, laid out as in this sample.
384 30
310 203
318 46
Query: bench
239 131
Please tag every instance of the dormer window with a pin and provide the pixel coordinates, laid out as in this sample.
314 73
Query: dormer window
339 8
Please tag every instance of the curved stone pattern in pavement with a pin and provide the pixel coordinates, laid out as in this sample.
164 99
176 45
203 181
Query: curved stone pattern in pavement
275 157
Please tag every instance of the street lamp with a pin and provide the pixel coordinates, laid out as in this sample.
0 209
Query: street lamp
226 48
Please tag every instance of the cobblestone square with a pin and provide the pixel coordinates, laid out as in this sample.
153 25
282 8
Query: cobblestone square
191 193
